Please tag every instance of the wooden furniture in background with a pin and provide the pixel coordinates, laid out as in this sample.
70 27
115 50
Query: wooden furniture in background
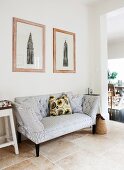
111 94
115 98
120 91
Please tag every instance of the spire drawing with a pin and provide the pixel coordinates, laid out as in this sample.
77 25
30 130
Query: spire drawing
65 55
30 50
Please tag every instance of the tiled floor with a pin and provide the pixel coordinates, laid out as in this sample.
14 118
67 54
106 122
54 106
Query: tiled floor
77 151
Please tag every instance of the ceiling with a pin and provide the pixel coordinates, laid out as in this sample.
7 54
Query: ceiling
115 22
88 2
115 26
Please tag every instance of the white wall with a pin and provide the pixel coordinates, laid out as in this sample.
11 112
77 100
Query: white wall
69 15
99 48
116 50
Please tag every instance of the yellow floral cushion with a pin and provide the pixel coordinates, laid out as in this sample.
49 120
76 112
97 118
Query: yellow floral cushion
59 106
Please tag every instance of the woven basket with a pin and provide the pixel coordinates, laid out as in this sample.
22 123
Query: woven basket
100 125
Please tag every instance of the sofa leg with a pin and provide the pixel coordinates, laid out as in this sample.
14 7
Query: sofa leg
37 146
18 137
93 129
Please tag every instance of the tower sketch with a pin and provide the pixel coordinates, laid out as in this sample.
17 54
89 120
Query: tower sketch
30 50
65 55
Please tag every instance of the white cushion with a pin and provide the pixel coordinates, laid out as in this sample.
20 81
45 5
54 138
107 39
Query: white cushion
76 102
59 125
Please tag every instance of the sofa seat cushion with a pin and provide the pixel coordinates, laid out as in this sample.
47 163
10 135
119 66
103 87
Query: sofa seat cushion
55 126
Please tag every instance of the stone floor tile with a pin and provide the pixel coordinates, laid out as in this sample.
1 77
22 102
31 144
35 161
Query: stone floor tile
56 150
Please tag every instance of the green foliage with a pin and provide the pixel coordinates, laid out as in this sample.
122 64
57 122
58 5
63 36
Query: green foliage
112 75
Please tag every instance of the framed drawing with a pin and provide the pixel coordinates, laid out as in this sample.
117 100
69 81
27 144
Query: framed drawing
64 60
28 46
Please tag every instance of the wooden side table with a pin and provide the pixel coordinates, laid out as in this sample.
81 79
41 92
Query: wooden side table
7 113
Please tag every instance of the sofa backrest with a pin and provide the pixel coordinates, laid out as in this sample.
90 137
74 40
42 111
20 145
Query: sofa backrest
38 103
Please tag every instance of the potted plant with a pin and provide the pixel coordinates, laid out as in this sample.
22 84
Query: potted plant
112 76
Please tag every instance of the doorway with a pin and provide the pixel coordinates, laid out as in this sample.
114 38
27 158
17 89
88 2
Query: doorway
115 46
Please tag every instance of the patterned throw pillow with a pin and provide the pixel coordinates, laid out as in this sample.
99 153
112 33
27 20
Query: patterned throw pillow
59 106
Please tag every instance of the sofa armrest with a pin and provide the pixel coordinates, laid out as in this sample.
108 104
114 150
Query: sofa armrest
91 106
26 117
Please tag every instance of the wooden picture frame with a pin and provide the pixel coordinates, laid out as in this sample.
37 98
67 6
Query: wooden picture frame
64 58
28 46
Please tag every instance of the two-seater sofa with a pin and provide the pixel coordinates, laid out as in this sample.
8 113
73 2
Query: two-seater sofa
34 122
